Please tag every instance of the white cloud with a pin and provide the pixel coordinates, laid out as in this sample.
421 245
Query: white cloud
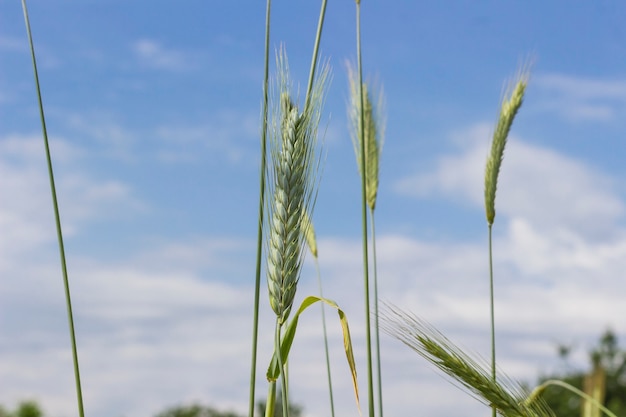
584 88
547 293
46 58
175 334
26 214
560 246
143 324
104 129
548 188
172 322
154 55
13 44
581 99
230 135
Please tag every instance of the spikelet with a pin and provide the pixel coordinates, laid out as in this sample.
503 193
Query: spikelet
293 181
508 110
373 122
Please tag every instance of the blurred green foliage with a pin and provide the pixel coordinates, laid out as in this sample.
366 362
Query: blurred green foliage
32 409
608 355
24 409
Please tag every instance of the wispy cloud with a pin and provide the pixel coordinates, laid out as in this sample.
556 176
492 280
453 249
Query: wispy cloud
227 135
25 212
581 99
154 55
103 130
8 43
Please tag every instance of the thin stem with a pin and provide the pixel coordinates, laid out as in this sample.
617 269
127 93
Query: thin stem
316 47
376 326
57 218
257 284
493 322
330 380
281 367
370 388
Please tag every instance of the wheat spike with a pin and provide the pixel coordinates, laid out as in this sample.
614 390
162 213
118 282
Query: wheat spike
373 123
508 110
509 399
294 175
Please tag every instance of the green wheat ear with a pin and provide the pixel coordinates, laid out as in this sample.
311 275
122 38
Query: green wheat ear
508 397
373 123
511 103
293 179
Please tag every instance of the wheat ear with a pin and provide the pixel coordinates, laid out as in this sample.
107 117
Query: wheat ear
510 105
294 176
373 124
509 399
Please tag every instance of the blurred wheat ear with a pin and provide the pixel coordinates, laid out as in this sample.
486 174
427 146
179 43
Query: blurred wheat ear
511 103
373 131
507 396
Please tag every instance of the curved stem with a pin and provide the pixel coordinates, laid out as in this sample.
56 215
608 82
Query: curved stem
569 387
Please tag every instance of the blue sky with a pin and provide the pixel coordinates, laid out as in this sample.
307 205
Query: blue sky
153 113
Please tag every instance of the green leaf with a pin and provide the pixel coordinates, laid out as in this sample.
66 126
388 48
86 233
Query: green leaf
273 371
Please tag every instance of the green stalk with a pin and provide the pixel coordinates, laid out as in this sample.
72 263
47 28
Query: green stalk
283 371
257 284
492 316
316 48
57 218
330 380
376 326
369 119
370 388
